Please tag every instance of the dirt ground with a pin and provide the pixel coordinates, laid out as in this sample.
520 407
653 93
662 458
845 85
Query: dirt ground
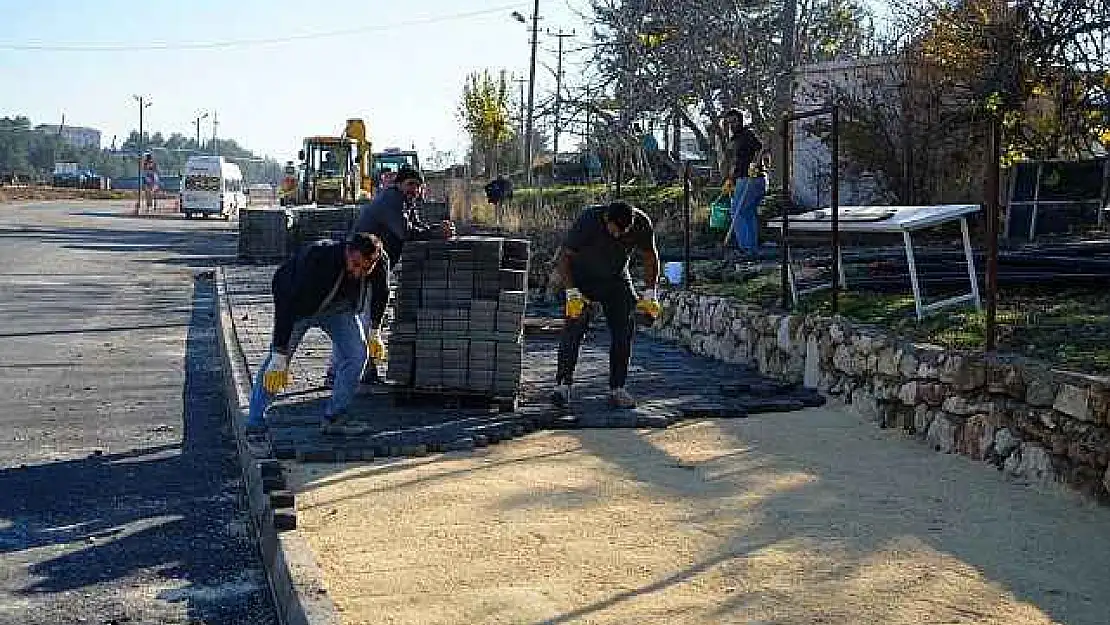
801 518
38 194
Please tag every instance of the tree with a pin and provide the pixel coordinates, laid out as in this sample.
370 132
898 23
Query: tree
26 152
484 111
687 60
920 123
1043 65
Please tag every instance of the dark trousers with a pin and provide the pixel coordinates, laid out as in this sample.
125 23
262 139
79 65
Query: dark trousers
619 304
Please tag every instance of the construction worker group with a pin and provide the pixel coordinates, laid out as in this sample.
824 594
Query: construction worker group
342 288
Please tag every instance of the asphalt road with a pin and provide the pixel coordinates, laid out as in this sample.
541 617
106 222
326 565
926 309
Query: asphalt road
120 498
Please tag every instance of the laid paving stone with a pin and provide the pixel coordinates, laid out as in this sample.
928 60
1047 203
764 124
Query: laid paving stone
282 499
670 383
653 421
316 455
757 406
272 483
285 519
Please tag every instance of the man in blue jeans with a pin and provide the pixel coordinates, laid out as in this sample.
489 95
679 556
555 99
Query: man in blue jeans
322 285
743 178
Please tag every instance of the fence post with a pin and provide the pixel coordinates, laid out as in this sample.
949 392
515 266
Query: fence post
686 269
993 174
620 173
834 205
784 232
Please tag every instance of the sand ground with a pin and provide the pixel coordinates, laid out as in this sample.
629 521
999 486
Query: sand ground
788 519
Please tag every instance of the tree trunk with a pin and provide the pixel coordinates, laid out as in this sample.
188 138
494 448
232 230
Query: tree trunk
784 87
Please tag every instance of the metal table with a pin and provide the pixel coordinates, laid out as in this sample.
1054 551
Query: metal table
893 220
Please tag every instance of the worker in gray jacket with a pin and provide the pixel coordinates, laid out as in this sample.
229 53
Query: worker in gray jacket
392 216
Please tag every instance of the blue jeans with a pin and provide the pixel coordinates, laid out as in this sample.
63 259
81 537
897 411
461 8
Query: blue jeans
348 349
746 198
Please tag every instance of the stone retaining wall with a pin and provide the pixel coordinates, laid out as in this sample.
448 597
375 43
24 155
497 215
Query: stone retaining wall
1034 424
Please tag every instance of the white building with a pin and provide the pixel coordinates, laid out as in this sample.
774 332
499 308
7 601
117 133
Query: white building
74 135
811 164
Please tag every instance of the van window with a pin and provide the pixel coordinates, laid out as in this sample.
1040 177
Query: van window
202 183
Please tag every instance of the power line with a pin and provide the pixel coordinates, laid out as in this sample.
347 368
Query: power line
208 45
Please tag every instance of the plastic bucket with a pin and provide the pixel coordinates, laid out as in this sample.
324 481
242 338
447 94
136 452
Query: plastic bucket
672 271
719 214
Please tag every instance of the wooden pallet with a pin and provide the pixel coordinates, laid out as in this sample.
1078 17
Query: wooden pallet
450 398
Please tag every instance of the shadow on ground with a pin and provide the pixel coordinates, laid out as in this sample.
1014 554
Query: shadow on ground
171 513
197 248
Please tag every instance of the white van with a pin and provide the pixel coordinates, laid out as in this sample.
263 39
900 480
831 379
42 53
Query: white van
212 186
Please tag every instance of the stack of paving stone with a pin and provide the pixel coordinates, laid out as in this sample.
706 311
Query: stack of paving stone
264 234
459 317
312 223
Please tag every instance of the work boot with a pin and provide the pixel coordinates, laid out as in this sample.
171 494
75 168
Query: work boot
561 395
619 398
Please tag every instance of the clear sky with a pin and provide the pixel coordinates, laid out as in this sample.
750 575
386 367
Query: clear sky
402 71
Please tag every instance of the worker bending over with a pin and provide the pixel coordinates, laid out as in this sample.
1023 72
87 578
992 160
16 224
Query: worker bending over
323 285
593 265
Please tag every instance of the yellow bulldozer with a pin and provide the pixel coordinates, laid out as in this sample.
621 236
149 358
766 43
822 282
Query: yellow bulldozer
334 171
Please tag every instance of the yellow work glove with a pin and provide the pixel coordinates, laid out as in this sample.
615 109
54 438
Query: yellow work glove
276 376
649 303
576 303
375 346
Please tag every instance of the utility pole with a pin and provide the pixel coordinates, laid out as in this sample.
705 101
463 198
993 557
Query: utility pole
215 142
558 84
197 122
531 93
143 104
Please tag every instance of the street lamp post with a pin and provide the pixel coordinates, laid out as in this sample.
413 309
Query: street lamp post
531 87
197 122
143 104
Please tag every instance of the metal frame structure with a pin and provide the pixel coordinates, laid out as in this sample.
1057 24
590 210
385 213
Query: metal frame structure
788 295
904 220
1036 203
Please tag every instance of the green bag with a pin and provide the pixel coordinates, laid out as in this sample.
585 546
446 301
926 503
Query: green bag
720 213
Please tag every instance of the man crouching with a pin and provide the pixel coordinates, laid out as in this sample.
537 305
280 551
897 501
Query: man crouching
321 286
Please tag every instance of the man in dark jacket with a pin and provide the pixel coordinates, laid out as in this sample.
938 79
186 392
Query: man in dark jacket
393 217
742 169
593 266
323 285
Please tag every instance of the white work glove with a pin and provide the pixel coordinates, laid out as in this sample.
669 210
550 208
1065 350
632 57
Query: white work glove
576 303
649 303
375 345
276 376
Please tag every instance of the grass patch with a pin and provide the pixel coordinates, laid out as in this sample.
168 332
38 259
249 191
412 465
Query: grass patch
1069 328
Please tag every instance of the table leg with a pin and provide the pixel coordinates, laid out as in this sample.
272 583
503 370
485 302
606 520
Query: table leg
913 275
970 256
